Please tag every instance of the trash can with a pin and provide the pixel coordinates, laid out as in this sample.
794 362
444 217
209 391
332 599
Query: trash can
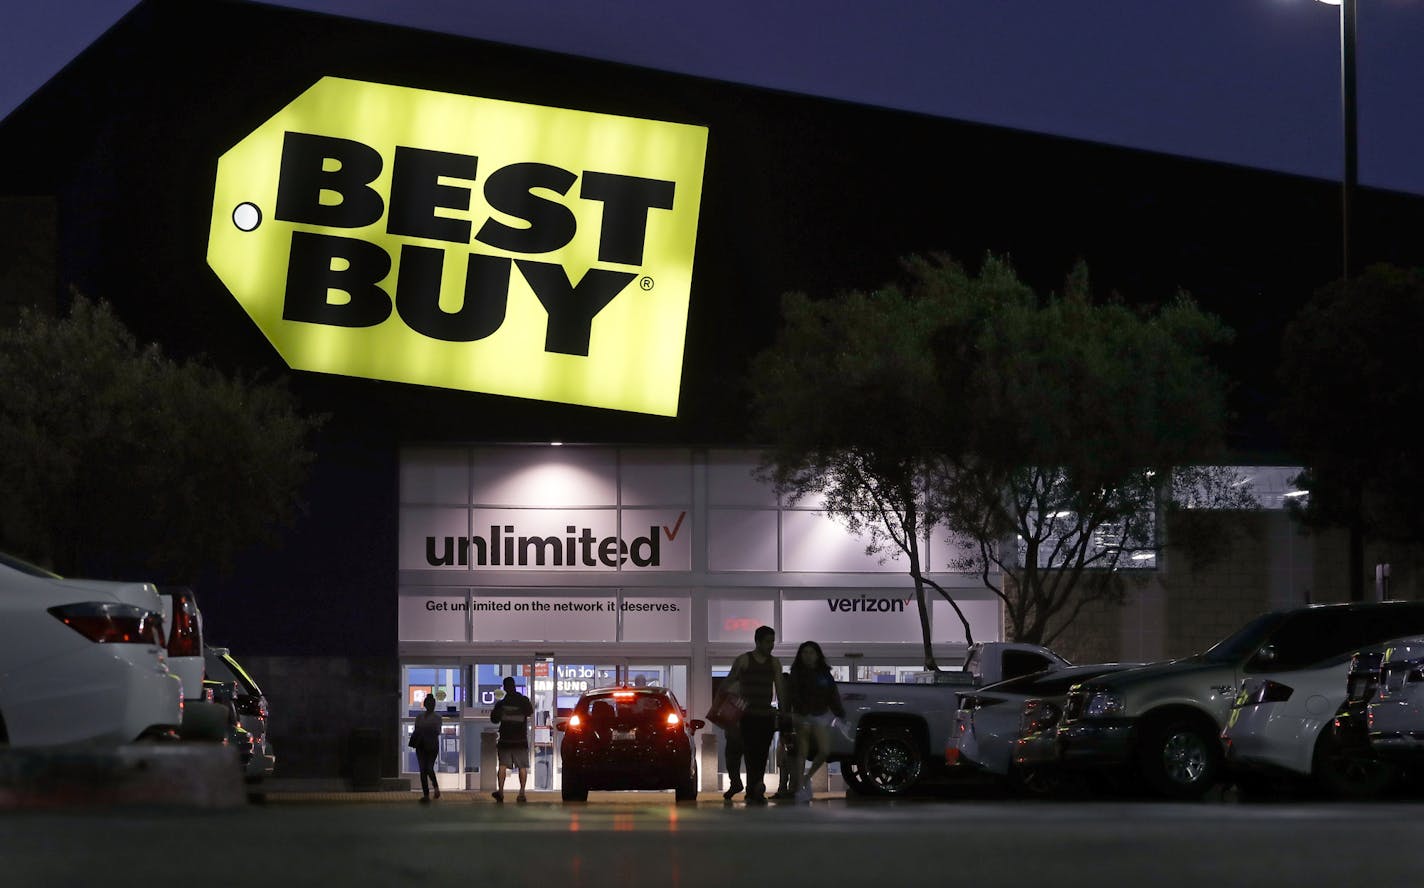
366 759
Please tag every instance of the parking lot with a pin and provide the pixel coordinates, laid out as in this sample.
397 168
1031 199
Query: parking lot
643 839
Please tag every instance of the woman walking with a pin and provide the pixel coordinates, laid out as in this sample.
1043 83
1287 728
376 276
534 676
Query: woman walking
816 702
425 740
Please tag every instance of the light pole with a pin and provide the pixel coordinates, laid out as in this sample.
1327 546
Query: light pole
1347 103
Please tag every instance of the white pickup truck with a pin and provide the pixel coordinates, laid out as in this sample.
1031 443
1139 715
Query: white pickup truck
884 748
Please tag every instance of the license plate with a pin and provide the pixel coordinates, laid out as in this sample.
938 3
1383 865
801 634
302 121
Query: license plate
623 735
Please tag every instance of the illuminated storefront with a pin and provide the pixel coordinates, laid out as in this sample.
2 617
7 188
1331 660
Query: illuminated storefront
577 567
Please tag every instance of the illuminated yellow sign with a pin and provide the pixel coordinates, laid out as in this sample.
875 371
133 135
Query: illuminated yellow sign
444 240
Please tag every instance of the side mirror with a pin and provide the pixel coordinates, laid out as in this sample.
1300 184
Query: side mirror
697 724
561 724
1266 656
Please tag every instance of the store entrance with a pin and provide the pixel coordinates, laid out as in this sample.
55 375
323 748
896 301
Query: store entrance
554 684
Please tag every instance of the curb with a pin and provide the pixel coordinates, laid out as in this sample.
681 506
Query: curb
188 775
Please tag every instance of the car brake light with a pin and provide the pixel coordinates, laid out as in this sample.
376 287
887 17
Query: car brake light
106 622
186 638
673 720
623 695
575 723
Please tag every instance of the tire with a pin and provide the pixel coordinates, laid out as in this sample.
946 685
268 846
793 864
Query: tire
686 791
1179 759
851 775
889 762
1343 776
574 792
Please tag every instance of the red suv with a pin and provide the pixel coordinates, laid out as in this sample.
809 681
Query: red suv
629 738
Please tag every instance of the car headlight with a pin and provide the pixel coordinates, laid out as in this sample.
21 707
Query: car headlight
1104 704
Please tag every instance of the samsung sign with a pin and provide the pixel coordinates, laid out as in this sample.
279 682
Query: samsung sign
467 243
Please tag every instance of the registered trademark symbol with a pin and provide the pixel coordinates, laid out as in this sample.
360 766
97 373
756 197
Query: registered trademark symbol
646 283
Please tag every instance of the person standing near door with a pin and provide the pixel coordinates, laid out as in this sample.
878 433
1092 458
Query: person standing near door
512 713
425 740
755 675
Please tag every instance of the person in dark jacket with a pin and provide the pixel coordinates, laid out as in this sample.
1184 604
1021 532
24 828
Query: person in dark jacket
512 713
815 703
754 675
425 740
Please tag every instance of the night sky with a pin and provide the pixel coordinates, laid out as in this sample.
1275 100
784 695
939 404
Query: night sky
1251 82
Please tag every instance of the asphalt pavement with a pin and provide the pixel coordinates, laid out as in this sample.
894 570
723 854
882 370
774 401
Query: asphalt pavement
632 840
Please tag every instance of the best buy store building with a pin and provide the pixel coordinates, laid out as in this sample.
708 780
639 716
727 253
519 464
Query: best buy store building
574 567
513 249
466 253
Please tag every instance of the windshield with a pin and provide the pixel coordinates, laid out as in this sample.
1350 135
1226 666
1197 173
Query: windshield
1244 642
25 567
632 708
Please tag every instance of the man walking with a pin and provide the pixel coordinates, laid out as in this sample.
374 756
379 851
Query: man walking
512 713
754 675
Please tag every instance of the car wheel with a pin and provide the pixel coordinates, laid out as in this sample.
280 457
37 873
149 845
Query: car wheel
889 763
1348 776
850 774
686 791
1179 759
574 791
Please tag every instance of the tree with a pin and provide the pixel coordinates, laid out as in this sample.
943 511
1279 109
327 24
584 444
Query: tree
1081 415
968 404
1352 390
119 461
843 400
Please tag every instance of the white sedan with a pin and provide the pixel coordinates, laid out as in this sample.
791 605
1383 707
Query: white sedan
989 719
81 661
1281 725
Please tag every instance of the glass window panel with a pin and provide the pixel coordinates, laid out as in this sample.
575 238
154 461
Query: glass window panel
813 541
741 539
731 482
983 618
432 615
435 476
544 476
430 538
655 477
665 618
737 619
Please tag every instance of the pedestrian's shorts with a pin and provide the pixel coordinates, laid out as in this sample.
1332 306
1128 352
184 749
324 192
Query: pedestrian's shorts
513 756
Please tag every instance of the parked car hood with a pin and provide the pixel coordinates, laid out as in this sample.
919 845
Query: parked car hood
1177 669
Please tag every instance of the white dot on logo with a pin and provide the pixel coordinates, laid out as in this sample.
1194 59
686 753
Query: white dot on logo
246 217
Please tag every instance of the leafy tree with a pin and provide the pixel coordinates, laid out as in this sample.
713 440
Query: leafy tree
1352 392
970 405
119 461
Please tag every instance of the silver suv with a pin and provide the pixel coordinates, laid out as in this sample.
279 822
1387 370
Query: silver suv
1161 724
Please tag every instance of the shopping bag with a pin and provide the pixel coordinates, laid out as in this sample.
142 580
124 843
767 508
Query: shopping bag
726 710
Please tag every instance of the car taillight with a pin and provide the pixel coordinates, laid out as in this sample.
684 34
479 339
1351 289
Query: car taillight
673 719
575 723
1038 715
186 638
107 622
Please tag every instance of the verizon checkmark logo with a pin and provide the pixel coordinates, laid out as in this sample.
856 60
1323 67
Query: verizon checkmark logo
676 527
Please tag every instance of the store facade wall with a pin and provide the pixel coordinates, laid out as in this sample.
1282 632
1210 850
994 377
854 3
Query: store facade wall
571 567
